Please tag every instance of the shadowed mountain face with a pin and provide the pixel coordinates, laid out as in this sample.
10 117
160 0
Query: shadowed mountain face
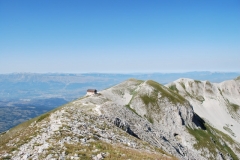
134 119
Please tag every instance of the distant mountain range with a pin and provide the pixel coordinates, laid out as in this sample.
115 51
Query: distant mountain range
71 86
136 119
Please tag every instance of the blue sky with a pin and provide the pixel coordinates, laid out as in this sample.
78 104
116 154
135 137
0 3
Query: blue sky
119 36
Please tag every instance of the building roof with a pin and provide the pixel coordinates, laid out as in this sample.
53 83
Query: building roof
91 90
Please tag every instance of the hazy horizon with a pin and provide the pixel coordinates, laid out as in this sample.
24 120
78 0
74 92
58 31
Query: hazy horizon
122 72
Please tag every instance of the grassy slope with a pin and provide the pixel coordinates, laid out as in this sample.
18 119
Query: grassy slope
152 101
193 95
115 152
21 131
165 93
213 139
238 78
209 138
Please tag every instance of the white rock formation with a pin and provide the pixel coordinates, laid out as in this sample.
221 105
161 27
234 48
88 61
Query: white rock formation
217 103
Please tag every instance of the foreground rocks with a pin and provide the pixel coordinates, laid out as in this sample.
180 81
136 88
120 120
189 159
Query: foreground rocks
73 133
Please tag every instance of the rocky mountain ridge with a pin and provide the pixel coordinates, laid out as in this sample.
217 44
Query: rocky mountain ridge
134 119
217 103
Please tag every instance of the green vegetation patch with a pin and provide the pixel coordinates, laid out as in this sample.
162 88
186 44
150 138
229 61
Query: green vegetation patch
153 102
235 107
183 85
174 88
197 81
228 130
208 87
208 83
238 78
190 83
135 80
40 118
200 98
149 99
210 139
7 158
149 118
165 93
209 91
133 110
220 92
113 152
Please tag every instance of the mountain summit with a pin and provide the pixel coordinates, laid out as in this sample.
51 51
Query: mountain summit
132 120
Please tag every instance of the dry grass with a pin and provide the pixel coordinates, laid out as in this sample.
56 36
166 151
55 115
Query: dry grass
210 139
22 132
114 152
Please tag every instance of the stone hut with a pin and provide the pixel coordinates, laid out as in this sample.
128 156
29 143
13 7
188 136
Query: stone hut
91 91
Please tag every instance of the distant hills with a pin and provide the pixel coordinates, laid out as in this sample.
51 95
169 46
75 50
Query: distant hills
71 86
14 112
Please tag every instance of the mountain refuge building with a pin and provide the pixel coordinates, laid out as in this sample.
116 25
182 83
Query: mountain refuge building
91 91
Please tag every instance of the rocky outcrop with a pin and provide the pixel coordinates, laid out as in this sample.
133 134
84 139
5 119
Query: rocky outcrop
217 103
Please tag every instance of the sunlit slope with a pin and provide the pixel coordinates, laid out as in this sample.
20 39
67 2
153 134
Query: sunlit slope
173 116
218 103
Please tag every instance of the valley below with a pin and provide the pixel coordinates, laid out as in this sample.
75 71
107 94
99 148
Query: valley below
14 112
